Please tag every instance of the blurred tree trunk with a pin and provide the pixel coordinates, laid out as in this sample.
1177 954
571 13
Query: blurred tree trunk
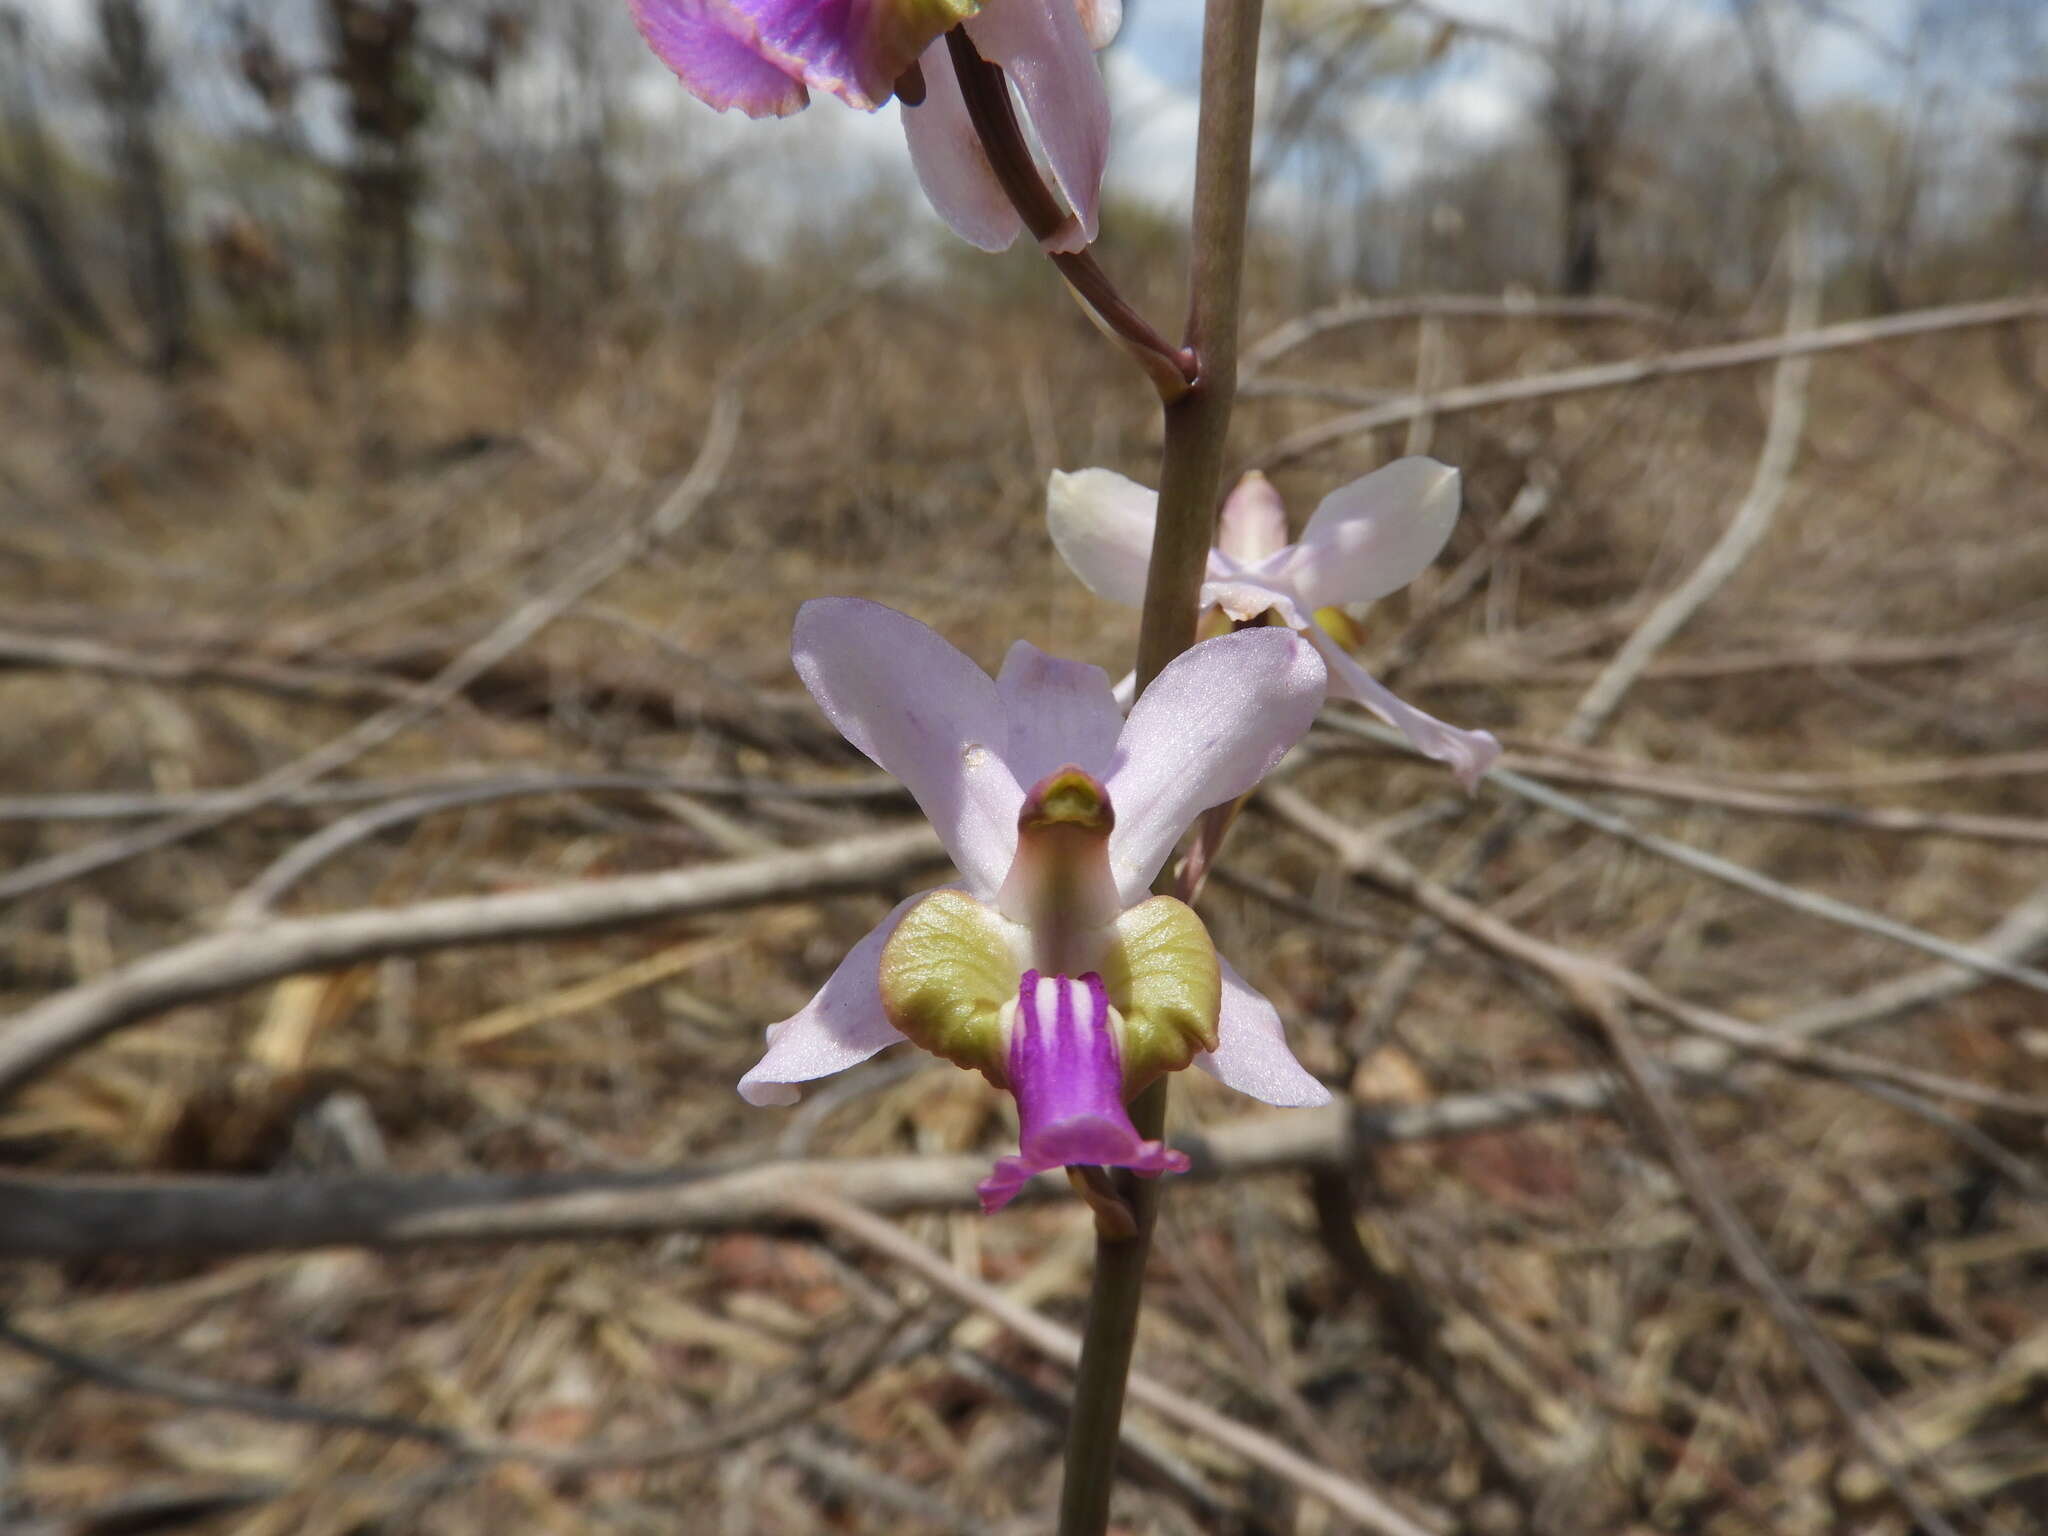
129 82
600 133
1582 197
33 194
375 45
1595 63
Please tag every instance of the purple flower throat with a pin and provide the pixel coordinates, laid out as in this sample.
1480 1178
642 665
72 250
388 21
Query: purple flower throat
1066 1069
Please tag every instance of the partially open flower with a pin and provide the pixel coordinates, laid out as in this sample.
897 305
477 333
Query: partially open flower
765 57
1367 539
1051 969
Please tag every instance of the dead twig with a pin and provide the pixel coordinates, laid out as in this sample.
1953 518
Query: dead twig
1740 354
1828 909
1345 1495
782 1407
507 636
227 962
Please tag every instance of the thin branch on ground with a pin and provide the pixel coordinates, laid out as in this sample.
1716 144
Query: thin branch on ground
519 626
1828 909
221 963
1740 354
1318 323
1345 1495
782 1407
1785 426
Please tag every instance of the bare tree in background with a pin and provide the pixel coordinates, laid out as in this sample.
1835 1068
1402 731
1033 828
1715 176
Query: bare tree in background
591 66
375 47
128 79
1595 62
32 191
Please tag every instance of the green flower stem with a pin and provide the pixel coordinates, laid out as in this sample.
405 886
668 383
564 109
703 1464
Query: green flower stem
1190 490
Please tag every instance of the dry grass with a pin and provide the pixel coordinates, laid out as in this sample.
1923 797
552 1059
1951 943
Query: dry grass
318 543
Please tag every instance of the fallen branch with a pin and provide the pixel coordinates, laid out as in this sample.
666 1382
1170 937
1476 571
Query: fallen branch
1739 354
226 962
1316 323
1341 1493
1810 903
510 633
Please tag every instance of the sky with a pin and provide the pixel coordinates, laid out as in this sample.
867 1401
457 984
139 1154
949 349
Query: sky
1476 93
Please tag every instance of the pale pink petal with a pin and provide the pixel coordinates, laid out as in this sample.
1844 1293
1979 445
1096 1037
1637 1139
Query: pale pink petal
1059 712
951 165
841 1027
1043 47
1251 1052
1253 523
719 67
1213 722
927 714
1468 754
1375 535
1101 523
1100 19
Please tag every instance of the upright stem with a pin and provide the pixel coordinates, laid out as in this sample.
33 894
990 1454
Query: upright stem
1190 486
1197 423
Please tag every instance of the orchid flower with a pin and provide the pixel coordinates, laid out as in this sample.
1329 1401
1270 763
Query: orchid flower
766 57
1367 539
1050 967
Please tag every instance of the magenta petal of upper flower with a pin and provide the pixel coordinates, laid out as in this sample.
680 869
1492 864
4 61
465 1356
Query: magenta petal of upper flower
951 165
1468 754
1251 1052
1210 726
1060 712
925 712
841 1027
852 49
719 68
1065 1069
1043 47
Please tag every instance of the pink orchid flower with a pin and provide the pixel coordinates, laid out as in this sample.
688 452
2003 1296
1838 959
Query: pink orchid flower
765 57
1050 967
1367 539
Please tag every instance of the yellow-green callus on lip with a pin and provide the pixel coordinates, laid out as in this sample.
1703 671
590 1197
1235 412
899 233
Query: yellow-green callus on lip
951 970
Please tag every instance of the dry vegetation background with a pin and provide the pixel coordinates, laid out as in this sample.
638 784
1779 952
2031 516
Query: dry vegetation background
317 603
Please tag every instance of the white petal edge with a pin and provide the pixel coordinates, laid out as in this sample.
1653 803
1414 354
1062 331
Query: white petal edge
902 693
1375 535
1212 724
1101 523
1043 46
1101 20
839 1028
1468 754
1251 1052
1059 712
951 165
